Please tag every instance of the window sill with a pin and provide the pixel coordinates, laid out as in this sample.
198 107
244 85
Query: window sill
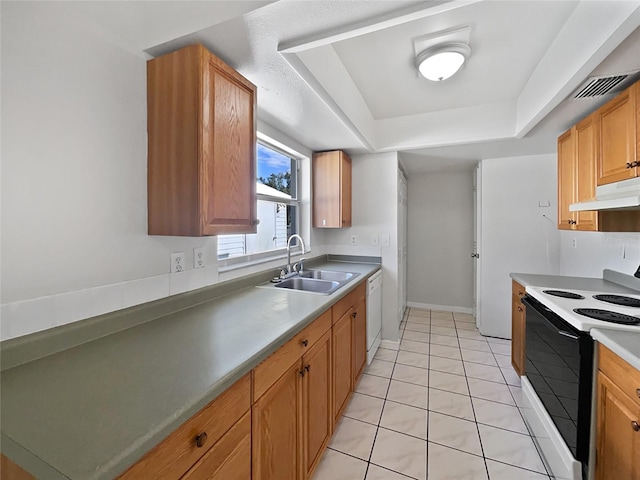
237 263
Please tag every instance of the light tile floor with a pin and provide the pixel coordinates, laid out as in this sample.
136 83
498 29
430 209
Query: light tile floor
444 407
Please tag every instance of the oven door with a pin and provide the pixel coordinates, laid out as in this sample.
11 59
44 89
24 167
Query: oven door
559 366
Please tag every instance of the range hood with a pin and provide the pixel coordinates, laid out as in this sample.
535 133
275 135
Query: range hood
624 195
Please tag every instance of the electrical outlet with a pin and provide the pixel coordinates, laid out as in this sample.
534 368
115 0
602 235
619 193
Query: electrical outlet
198 257
574 242
177 262
374 239
354 240
385 240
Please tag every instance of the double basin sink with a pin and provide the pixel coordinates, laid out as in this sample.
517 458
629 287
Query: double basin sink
317 281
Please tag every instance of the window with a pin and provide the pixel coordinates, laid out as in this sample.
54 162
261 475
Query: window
278 206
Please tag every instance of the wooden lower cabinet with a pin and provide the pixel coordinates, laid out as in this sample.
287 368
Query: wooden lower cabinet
518 314
342 363
230 458
359 333
317 421
275 429
617 440
292 421
617 418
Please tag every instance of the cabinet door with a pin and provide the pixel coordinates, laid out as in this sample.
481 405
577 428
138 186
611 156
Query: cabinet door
566 179
359 333
345 189
275 434
228 161
230 458
617 442
586 176
616 137
316 402
341 363
517 334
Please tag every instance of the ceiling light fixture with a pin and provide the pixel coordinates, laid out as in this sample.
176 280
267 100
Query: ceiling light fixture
442 61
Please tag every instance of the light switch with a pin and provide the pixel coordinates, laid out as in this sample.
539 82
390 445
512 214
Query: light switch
385 239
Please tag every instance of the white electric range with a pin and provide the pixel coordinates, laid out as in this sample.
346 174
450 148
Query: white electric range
559 382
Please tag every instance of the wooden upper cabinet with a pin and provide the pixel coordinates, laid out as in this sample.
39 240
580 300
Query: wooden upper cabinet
331 190
585 172
202 146
616 137
566 179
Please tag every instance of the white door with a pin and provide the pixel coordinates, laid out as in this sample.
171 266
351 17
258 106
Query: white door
402 244
477 229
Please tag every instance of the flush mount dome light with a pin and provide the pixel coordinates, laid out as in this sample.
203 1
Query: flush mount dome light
440 62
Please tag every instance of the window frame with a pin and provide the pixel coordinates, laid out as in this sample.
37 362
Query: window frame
231 263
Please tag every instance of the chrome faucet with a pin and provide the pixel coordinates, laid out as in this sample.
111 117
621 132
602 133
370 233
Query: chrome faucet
295 235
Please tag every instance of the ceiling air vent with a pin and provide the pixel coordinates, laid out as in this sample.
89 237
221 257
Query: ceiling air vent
599 86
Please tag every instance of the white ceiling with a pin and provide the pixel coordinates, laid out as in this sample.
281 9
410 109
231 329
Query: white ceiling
339 74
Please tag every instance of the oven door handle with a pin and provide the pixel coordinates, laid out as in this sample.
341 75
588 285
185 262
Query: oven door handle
567 334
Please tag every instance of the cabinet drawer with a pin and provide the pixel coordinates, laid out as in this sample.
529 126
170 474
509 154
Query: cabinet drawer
230 458
178 452
626 377
517 289
348 301
270 370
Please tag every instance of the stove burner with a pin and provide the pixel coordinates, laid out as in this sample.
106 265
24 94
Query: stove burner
608 316
563 294
619 300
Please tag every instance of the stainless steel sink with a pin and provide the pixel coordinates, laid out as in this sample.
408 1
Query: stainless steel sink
327 275
309 285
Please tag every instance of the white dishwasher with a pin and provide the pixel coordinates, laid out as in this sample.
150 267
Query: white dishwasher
374 314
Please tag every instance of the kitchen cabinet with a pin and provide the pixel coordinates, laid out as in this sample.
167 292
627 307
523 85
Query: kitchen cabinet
11 471
331 190
616 129
518 314
208 438
342 363
577 175
201 123
292 420
617 418
359 329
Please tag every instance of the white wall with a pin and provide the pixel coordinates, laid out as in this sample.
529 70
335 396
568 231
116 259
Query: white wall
514 235
596 251
374 211
74 163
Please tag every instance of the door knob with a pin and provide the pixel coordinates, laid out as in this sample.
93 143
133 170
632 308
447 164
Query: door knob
475 255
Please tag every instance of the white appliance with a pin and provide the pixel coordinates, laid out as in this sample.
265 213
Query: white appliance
558 386
374 314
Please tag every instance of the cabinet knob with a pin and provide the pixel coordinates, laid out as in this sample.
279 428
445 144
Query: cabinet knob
201 439
301 372
635 426
305 342
354 314
519 309
307 368
638 392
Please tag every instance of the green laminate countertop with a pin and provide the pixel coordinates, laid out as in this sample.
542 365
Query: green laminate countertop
91 411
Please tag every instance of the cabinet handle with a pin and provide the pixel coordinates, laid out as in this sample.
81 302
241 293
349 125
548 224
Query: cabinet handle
629 165
301 372
519 309
354 315
201 439
635 426
638 392
635 164
520 294
305 342
307 368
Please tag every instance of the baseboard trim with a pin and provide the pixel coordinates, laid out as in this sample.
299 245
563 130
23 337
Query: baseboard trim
390 344
442 308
